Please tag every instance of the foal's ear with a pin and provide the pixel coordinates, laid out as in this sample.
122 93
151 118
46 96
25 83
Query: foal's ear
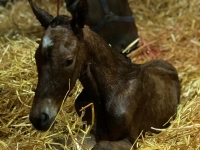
42 16
79 12
71 5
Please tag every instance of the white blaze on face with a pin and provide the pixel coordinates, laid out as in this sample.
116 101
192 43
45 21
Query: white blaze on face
47 42
50 108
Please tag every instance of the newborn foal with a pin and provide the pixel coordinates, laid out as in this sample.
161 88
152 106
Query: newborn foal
127 98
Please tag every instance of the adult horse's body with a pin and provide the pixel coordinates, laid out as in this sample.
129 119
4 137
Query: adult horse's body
111 20
127 98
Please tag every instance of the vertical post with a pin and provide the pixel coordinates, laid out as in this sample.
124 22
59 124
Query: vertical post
58 7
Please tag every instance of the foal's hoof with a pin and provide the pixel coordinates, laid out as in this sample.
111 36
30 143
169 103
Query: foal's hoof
113 145
103 145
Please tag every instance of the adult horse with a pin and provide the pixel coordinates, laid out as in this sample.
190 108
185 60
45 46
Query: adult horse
112 20
127 97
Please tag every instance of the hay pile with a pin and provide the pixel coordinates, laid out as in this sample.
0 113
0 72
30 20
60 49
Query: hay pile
168 29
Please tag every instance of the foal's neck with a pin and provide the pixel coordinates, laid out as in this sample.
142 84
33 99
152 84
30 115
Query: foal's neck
102 54
106 67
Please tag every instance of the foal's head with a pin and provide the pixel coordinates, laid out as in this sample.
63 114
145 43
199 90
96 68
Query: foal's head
58 62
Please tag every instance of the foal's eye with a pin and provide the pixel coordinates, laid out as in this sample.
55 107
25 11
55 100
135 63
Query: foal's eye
68 62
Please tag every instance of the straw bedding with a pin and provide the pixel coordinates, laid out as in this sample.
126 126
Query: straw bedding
168 29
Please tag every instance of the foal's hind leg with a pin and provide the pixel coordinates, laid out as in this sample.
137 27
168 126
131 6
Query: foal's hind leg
113 145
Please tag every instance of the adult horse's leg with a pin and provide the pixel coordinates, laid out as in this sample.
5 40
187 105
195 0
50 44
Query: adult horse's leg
113 145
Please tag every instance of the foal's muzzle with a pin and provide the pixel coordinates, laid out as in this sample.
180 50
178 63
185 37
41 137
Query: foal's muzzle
42 122
43 114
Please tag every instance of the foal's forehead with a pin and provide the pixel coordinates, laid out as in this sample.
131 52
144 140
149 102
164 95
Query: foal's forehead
58 32
56 35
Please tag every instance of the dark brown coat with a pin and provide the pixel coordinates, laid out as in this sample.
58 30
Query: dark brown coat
127 97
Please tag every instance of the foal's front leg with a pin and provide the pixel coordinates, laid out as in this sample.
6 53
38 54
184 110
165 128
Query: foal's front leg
113 145
82 101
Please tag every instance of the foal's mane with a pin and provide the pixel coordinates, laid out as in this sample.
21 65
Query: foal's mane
60 20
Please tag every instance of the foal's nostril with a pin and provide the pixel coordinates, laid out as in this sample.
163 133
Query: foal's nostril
41 121
44 118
